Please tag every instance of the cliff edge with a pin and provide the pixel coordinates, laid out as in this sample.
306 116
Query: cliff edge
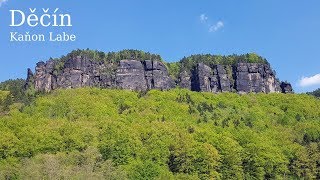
142 75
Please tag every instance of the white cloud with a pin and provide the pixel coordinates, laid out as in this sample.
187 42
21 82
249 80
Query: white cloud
310 81
2 1
216 27
203 18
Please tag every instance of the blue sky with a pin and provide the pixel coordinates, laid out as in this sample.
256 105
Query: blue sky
286 32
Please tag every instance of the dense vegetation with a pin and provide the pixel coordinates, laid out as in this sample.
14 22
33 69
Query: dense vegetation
187 63
178 134
315 93
18 93
5 101
16 87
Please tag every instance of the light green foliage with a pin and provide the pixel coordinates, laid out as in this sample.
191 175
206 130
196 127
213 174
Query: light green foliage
5 101
174 69
18 94
95 133
73 165
15 87
3 96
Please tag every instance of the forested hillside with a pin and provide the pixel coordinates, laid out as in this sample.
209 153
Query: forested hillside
315 93
92 133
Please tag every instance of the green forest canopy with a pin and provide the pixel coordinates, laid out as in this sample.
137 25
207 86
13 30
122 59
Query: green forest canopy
141 55
178 134
95 133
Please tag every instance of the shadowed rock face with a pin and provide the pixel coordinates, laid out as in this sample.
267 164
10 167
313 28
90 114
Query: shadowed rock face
256 78
241 78
81 72
145 75
286 88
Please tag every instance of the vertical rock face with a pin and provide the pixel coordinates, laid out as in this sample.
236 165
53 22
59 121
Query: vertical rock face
157 75
202 78
185 80
252 77
131 75
213 80
286 87
43 77
241 78
29 80
145 75
81 72
224 78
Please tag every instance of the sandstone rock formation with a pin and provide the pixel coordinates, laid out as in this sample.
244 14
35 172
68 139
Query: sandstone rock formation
242 78
145 75
81 72
286 87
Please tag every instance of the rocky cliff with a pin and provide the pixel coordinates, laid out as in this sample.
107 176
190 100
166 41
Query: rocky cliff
242 78
151 74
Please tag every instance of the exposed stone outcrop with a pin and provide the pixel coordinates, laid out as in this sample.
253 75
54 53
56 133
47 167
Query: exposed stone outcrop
207 79
29 80
157 75
81 72
256 78
145 75
241 78
131 75
286 87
